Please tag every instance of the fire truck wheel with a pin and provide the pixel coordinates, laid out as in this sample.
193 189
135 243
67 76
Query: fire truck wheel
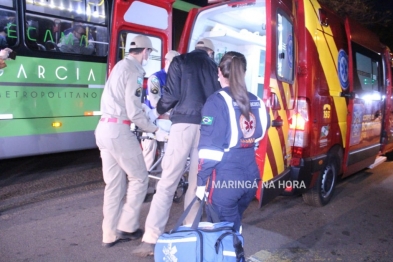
389 155
321 193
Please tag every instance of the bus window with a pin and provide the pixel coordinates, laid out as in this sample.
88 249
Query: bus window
67 26
8 27
154 63
7 3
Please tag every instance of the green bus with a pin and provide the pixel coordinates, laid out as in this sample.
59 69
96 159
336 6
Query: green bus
50 94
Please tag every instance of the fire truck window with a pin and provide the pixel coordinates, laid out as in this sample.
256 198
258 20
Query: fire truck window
285 52
154 62
8 28
366 73
285 57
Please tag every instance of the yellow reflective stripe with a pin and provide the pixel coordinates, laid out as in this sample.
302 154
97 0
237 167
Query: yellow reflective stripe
277 150
328 55
210 154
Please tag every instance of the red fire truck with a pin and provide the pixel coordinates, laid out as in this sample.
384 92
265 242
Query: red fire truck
326 80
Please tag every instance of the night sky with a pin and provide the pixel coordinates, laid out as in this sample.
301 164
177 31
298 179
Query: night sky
385 33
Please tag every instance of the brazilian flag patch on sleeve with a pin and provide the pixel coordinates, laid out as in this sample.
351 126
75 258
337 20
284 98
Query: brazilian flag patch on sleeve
207 120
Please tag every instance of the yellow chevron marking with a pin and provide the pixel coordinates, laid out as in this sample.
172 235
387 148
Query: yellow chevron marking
277 151
328 55
267 170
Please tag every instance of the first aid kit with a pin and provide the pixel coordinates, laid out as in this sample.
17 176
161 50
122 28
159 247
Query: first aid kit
201 241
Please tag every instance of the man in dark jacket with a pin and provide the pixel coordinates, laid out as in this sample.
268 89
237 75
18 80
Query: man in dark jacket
191 79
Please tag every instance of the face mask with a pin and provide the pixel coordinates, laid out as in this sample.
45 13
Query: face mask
145 61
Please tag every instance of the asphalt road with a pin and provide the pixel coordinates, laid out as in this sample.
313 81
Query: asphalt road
51 210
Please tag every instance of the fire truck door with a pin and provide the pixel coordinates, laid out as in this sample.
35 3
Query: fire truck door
387 133
130 18
364 95
279 78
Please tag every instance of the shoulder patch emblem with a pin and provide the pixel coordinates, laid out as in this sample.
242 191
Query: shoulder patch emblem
154 90
138 92
207 120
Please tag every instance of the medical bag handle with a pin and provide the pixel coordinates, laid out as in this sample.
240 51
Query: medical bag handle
183 216
198 216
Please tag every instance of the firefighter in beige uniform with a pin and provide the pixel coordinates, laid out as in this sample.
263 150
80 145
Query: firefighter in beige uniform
123 167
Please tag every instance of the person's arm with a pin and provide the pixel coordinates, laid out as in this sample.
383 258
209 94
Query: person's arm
133 102
2 64
86 49
215 131
171 92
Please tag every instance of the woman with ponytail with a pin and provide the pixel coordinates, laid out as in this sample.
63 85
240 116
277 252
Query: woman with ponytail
233 121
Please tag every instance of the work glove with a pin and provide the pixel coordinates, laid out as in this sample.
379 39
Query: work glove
153 115
162 135
164 124
201 191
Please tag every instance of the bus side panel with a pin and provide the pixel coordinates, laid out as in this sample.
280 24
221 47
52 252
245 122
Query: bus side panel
49 99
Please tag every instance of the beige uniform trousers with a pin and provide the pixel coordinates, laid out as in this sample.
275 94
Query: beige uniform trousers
149 147
125 178
183 142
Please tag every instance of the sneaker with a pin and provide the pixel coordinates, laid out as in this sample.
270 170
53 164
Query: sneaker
111 244
130 236
144 250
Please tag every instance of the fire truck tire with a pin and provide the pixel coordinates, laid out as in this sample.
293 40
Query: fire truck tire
389 155
323 190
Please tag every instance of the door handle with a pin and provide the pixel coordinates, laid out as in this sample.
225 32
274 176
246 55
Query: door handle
277 122
350 95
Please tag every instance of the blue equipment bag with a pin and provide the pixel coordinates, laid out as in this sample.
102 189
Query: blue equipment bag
203 241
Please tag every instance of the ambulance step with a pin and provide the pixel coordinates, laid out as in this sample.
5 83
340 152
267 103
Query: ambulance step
379 160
